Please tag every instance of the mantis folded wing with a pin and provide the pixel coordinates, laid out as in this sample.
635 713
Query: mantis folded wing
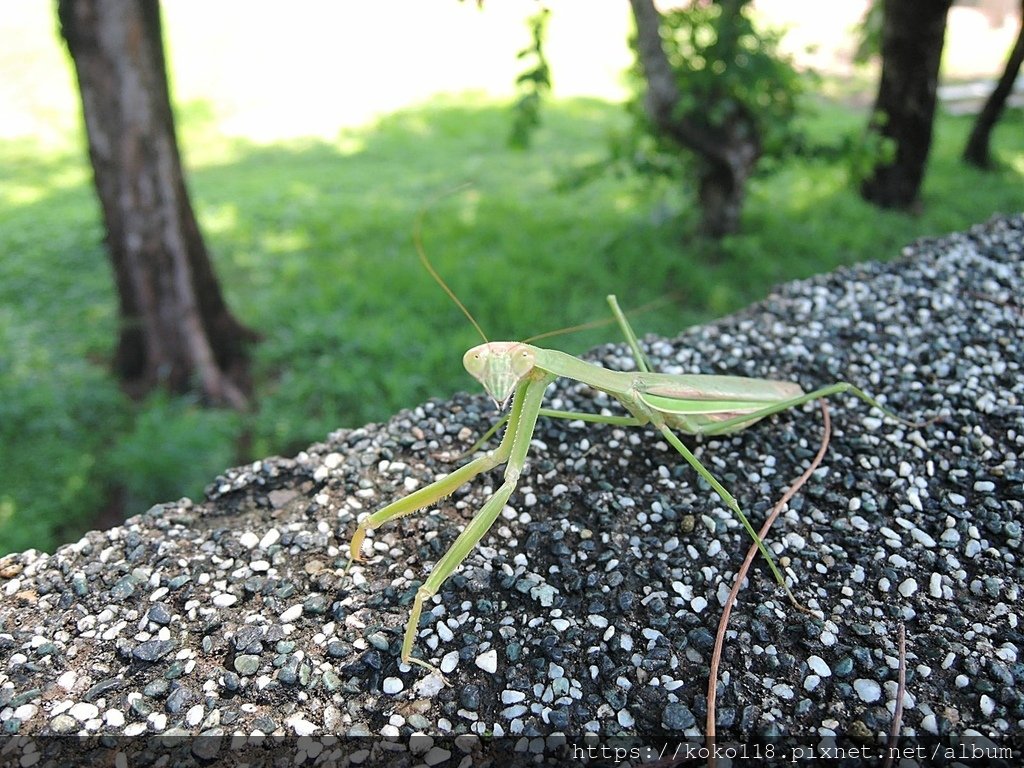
691 404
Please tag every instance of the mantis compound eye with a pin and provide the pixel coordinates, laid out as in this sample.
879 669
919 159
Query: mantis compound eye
475 362
522 363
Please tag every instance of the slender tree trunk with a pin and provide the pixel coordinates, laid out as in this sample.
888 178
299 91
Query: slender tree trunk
727 157
913 33
976 152
176 331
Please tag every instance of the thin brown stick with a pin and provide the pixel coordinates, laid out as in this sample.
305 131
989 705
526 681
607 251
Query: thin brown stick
901 687
741 574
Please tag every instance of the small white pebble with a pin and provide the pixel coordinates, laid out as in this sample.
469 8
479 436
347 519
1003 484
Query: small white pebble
114 718
868 690
930 724
1007 652
393 685
921 537
935 585
984 486
291 614
194 716
820 666
83 711
450 661
428 687
988 706
908 587
67 680
950 537
225 601
488 661
783 691
249 540
270 538
625 718
698 604
514 711
301 726
811 682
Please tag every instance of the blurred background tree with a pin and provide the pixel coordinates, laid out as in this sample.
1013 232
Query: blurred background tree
977 151
912 36
305 182
175 331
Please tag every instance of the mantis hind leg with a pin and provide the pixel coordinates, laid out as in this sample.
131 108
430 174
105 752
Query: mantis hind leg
528 399
731 502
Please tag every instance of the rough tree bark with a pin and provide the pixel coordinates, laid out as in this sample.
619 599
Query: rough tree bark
976 152
913 33
176 330
727 156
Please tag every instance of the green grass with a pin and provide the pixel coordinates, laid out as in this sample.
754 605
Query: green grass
312 240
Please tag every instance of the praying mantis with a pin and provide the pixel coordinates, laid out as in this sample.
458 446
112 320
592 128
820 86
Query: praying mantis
519 372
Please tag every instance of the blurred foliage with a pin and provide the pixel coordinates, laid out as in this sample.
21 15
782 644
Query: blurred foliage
727 69
868 33
532 83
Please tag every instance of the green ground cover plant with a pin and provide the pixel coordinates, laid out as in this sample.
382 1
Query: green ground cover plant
312 240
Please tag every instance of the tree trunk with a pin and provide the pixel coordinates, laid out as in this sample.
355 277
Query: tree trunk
913 33
976 151
723 182
175 329
727 156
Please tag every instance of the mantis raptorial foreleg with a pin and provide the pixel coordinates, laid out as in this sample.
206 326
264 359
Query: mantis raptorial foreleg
518 436
513 450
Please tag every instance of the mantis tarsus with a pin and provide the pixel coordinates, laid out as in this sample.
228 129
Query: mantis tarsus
517 371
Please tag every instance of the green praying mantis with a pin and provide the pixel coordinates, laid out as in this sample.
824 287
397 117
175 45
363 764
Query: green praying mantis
697 404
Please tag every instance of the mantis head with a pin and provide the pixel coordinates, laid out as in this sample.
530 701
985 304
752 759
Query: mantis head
499 366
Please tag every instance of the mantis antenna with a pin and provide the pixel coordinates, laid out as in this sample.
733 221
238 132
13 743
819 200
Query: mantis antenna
417 239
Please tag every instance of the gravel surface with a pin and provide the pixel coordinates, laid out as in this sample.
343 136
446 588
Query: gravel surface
591 606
